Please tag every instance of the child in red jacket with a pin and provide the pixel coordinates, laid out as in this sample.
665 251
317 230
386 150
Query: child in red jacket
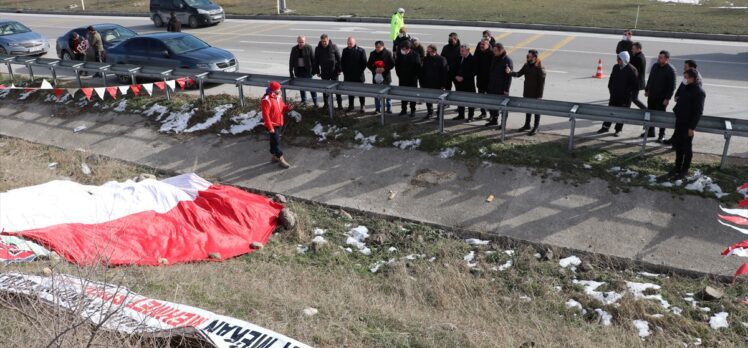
273 109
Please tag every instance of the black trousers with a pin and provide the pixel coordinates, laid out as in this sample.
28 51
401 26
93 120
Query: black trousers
482 90
656 104
683 149
304 73
461 112
337 96
275 139
535 124
619 126
430 108
351 98
637 102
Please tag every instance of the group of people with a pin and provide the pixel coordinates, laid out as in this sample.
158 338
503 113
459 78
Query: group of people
489 70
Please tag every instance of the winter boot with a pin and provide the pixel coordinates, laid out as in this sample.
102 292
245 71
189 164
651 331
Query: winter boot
282 162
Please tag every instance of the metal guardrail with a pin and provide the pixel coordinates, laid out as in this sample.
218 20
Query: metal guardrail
504 104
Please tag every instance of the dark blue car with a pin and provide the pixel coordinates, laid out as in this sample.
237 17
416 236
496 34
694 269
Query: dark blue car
111 34
18 40
172 50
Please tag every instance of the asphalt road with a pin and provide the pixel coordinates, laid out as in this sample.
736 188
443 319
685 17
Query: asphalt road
570 58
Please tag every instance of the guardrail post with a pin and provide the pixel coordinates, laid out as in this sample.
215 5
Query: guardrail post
78 77
383 108
440 111
54 75
240 86
504 116
330 108
133 79
103 78
10 72
573 120
166 88
283 94
202 90
728 135
31 72
647 117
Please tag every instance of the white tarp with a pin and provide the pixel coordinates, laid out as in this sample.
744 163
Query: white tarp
125 311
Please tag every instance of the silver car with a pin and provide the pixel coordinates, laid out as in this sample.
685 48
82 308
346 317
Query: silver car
18 40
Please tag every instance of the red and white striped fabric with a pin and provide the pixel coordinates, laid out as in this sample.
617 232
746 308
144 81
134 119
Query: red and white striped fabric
737 219
180 219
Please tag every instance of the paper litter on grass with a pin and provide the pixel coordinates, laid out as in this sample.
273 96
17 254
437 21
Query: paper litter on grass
319 240
485 154
4 92
85 169
643 327
650 275
407 144
574 304
469 259
605 318
365 143
319 232
719 321
391 249
218 113
378 265
475 241
26 95
301 249
331 132
245 122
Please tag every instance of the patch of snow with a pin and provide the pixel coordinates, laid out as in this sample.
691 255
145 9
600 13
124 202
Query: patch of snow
365 143
587 166
699 183
643 327
650 275
295 115
449 152
392 249
489 252
624 174
507 265
537 255
485 154
79 128
26 95
245 122
52 165
638 289
676 310
689 2
85 169
599 157
432 259
469 259
574 304
475 241
310 311
301 249
407 144
356 237
590 288
65 99
705 309
319 240
570 262
176 122
319 130
524 298
82 102
218 113
4 92
719 321
319 232
605 318
156 110
377 265
395 136
121 107
509 252
348 250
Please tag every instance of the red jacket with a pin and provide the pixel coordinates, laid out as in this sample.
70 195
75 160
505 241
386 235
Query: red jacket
273 108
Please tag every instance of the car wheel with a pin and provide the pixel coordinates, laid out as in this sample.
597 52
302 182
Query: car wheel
193 22
66 56
157 21
124 79
2 50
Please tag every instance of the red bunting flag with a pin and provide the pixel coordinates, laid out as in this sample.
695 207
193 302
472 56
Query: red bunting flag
135 89
3 87
58 92
743 203
29 89
88 92
742 270
161 85
112 91
181 82
744 187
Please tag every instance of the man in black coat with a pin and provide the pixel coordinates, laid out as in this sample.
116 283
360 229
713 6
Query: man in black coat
499 82
451 51
688 110
327 59
434 74
626 44
464 80
660 87
173 26
483 56
534 73
689 64
487 35
353 63
403 36
380 64
639 61
408 68
622 85
301 64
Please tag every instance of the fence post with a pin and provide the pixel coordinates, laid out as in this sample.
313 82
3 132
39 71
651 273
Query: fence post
31 72
330 108
573 120
383 107
202 90
283 94
78 77
647 117
133 79
504 116
728 135
103 78
440 111
54 75
240 86
10 72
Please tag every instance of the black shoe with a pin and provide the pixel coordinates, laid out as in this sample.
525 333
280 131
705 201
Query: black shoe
659 140
524 128
350 109
458 117
680 176
403 113
649 135
324 106
412 113
469 120
668 141
603 130
533 131
668 176
491 123
377 110
482 116
340 107
389 111
617 134
361 109
499 127
425 118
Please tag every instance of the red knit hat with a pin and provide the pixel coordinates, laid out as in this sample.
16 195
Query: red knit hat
379 64
274 85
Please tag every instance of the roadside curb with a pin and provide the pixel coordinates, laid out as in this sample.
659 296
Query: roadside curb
443 22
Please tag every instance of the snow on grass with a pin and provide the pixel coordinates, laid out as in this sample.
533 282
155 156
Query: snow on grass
245 122
82 102
719 321
356 237
507 265
475 241
623 174
650 275
331 132
676 310
156 110
218 113
570 262
407 144
586 166
176 122
365 143
643 327
689 2
301 249
319 232
449 152
319 240
590 288
700 182
485 154
638 289
295 115
605 318
378 265
469 259
121 107
574 304
4 92
26 95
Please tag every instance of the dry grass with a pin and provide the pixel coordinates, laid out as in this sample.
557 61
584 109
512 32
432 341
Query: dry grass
410 303
706 18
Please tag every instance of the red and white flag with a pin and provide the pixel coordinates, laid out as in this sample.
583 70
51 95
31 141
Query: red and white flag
179 219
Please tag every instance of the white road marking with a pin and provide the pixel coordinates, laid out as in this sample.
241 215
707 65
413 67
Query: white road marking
726 86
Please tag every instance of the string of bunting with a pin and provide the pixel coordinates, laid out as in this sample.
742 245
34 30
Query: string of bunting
112 91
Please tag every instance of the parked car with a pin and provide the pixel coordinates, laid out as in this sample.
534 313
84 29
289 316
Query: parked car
189 12
111 34
18 40
172 50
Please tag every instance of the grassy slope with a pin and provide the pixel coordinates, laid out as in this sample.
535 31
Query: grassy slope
409 303
596 13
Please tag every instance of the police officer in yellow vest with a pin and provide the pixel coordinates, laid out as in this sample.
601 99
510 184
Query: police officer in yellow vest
397 22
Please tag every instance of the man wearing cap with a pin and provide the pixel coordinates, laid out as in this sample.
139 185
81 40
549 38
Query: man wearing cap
273 108
623 86
397 22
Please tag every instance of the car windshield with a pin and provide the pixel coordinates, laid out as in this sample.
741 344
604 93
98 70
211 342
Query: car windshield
197 2
185 43
116 34
10 28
